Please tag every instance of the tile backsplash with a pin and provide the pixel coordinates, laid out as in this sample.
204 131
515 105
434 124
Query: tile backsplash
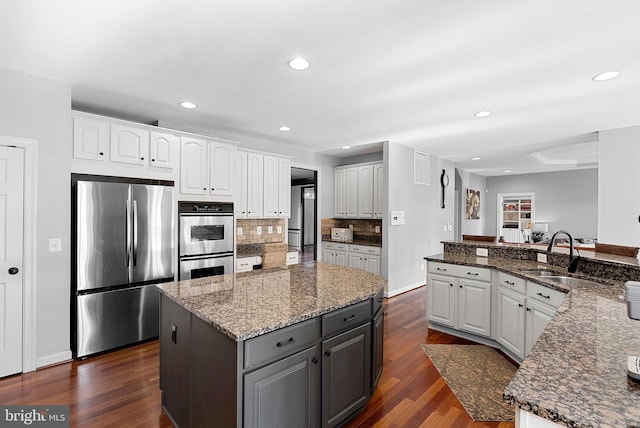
250 231
360 227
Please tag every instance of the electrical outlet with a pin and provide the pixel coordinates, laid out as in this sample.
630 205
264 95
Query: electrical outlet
542 258
445 228
258 230
239 231
55 245
422 266
270 229
279 229
377 229
482 252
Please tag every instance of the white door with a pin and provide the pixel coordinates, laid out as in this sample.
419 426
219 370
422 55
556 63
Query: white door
11 215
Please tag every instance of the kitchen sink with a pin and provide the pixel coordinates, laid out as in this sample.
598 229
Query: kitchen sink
539 272
568 280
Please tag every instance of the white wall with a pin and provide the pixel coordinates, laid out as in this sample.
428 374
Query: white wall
40 109
406 246
474 182
564 199
619 187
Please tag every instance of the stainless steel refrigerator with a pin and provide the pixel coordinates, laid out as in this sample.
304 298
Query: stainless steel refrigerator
123 245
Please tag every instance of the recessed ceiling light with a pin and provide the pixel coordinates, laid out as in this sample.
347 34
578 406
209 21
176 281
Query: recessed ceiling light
474 159
188 104
607 75
482 114
284 128
507 171
345 147
299 64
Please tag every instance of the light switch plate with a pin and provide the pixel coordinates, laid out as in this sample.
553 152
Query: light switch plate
269 229
542 258
239 231
258 230
279 229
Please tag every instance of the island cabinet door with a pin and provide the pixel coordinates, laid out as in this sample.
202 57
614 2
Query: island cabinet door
175 341
284 394
346 374
377 328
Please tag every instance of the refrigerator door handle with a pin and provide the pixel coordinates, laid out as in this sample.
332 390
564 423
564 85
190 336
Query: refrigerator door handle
128 234
135 232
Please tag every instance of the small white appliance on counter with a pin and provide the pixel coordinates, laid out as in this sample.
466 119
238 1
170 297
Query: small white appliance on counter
342 234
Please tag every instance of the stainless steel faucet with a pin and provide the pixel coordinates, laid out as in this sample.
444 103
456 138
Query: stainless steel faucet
573 262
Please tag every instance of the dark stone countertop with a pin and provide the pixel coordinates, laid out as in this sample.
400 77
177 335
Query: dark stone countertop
248 304
576 373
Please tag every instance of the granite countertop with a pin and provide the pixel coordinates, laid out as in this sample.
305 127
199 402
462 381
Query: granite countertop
576 373
245 305
357 240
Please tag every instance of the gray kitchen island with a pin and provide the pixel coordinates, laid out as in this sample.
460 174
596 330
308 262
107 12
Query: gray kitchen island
285 347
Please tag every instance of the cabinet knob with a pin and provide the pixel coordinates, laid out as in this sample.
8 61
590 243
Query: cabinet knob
204 188
153 160
520 305
528 309
460 286
327 353
213 188
101 154
141 158
450 285
314 360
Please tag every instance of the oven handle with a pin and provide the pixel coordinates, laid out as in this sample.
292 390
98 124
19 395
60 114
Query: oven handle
206 256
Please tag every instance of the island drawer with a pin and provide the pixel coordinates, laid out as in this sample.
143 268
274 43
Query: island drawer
512 282
461 271
346 318
545 294
280 343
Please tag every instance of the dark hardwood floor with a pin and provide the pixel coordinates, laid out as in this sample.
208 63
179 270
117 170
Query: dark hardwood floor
121 388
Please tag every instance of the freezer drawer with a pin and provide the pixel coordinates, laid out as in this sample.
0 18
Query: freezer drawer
111 319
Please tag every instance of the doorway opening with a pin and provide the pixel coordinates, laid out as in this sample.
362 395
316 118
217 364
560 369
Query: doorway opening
303 224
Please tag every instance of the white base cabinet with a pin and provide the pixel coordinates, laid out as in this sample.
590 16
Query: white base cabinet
458 302
356 256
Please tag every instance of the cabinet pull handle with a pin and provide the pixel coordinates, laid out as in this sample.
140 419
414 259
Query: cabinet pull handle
528 309
442 269
327 353
351 318
520 305
280 344
542 295
509 282
473 273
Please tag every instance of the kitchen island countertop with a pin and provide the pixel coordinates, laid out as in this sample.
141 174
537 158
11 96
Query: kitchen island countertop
246 305
575 374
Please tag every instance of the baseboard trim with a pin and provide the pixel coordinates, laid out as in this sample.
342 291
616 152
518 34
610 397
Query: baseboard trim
49 360
403 289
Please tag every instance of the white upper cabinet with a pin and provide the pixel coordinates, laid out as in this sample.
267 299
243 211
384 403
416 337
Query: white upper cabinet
359 191
205 167
378 190
194 175
240 179
129 145
121 145
365 191
277 186
255 193
90 138
221 158
284 187
161 149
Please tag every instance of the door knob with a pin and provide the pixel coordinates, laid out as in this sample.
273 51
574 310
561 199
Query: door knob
13 270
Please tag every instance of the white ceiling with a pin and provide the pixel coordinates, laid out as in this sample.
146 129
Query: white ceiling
413 72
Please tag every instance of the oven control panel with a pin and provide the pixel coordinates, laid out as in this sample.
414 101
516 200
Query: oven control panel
205 207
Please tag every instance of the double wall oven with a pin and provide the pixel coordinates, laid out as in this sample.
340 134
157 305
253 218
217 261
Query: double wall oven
206 239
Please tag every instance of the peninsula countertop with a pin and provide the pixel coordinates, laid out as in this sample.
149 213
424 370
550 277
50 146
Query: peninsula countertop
245 305
576 373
